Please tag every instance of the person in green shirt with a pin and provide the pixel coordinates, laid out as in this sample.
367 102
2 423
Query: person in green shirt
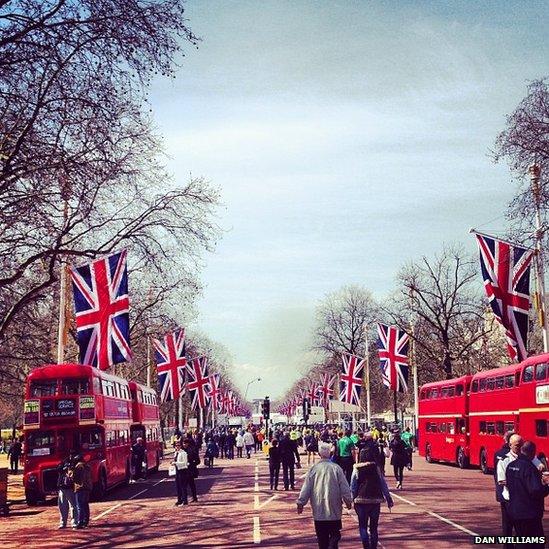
408 439
345 450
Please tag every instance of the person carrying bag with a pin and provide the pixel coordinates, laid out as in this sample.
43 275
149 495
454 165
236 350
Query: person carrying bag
181 464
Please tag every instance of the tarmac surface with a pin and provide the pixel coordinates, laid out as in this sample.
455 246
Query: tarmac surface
441 506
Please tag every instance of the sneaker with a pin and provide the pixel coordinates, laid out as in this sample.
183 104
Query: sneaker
398 486
177 503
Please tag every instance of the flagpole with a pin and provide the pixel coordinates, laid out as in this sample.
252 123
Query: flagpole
148 360
413 365
535 172
395 405
63 282
367 358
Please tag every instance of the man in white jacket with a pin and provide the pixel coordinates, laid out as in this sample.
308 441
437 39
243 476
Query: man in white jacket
181 463
326 487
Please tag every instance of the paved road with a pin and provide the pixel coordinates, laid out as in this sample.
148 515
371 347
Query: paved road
440 507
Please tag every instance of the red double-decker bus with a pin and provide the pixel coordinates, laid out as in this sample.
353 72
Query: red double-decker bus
510 398
443 421
146 423
80 408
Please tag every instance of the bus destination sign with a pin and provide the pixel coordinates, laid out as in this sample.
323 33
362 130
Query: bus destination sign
62 408
87 409
31 413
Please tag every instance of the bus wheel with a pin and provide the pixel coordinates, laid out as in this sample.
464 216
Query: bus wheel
484 462
428 457
462 460
31 497
100 487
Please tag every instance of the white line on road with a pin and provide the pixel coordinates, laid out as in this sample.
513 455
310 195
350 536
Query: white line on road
101 515
256 502
139 493
266 502
161 480
257 531
439 517
452 523
256 487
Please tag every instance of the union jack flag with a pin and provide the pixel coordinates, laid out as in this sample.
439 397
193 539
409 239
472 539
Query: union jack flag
312 393
215 393
102 311
350 381
506 275
171 364
198 381
393 357
326 388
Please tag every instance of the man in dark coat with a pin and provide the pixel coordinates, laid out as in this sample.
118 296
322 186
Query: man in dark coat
289 456
193 460
138 457
527 492
14 453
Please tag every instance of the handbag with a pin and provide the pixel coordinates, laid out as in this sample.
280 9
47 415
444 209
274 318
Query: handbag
172 471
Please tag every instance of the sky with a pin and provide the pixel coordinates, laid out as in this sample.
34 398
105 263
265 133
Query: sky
346 138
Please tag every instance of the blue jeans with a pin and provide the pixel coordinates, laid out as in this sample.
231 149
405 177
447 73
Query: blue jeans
82 507
368 512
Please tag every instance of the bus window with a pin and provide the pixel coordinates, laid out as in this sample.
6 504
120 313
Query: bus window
459 390
461 425
541 427
541 372
490 428
528 374
499 428
509 426
44 388
422 394
475 386
482 385
482 427
442 427
90 439
500 382
490 384
444 392
40 443
509 382
75 386
110 438
451 391
451 428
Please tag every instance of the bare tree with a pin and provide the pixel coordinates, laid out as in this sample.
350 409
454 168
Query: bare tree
443 296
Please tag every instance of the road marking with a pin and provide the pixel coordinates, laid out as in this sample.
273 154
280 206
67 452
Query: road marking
257 531
161 480
404 499
139 493
256 487
256 502
266 502
452 523
101 515
439 517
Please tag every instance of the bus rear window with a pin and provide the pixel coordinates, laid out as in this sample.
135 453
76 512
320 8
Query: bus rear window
459 390
528 374
500 382
43 388
509 381
475 386
541 372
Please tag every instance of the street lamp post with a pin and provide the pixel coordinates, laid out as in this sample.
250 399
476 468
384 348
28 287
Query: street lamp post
248 386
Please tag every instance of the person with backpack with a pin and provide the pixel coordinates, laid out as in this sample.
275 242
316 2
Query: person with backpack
369 490
82 479
65 495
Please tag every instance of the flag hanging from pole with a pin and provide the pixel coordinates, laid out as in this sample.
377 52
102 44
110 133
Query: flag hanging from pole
102 308
171 364
214 392
198 382
326 389
350 381
393 346
506 274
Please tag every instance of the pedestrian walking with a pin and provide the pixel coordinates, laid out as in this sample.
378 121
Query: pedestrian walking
193 460
527 492
345 448
14 454
212 451
499 457
311 446
325 487
137 459
230 444
181 464
222 441
408 439
239 444
66 501
369 490
82 488
249 443
290 457
274 464
399 458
